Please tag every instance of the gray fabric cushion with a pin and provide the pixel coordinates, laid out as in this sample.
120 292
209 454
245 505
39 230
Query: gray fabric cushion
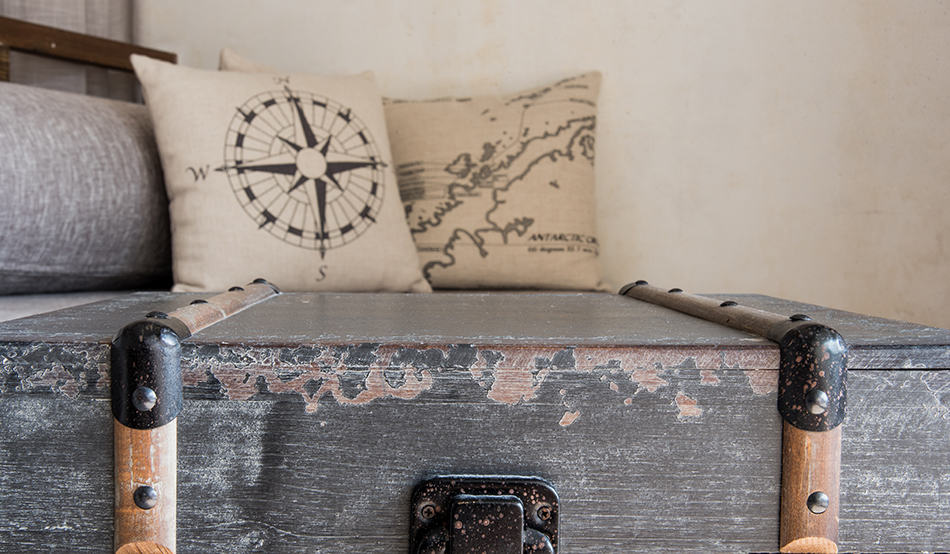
83 204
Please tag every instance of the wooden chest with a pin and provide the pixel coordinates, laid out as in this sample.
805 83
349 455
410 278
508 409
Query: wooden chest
308 420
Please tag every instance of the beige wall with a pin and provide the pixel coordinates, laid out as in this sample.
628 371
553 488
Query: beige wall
799 149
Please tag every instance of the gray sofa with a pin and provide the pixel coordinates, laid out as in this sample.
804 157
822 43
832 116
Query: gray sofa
84 214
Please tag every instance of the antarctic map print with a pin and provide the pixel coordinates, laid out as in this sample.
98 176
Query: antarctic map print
514 190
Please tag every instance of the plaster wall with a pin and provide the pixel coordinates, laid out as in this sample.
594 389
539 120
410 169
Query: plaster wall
798 149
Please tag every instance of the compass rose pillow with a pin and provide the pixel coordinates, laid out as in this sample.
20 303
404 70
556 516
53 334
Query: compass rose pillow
498 190
285 177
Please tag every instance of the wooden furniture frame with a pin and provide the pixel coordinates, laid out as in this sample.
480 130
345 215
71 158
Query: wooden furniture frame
50 42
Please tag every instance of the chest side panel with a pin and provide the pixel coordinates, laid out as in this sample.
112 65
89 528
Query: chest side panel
685 460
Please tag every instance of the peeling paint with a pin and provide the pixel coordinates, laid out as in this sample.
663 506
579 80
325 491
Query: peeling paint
358 374
512 385
57 379
708 377
688 407
519 372
513 375
695 357
763 381
349 377
376 387
648 379
65 369
569 418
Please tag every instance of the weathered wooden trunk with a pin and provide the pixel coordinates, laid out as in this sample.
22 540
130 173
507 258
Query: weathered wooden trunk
308 419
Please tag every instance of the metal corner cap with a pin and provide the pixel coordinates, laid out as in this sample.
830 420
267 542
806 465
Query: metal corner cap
145 359
812 392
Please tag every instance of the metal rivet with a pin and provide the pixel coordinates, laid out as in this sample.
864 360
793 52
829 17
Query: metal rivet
800 317
640 283
427 511
728 303
675 290
260 281
818 502
817 401
157 315
144 399
145 497
544 512
233 289
199 301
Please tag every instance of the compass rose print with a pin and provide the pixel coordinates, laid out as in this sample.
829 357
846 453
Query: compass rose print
305 168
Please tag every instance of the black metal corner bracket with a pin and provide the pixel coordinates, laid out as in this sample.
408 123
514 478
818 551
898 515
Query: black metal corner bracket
813 361
146 371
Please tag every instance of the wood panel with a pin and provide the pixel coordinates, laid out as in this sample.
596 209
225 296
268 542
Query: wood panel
811 463
77 47
309 417
145 457
4 63
654 474
570 319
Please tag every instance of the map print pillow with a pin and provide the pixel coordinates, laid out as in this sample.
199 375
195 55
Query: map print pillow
285 177
499 191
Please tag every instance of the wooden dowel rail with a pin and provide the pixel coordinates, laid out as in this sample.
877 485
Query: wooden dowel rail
728 313
146 399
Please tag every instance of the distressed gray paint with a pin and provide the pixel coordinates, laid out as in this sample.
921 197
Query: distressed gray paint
677 455
639 477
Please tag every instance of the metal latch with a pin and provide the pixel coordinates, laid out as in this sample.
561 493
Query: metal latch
497 514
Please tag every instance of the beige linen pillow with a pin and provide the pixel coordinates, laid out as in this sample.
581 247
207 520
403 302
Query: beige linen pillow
285 177
498 190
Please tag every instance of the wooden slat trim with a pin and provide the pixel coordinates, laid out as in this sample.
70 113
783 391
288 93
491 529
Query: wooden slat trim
4 63
146 457
197 316
744 318
811 461
76 47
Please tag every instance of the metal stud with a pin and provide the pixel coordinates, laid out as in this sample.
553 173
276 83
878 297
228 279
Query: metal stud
234 289
640 283
199 301
260 281
544 512
800 317
728 303
145 497
427 511
157 315
817 502
817 401
144 399
675 290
